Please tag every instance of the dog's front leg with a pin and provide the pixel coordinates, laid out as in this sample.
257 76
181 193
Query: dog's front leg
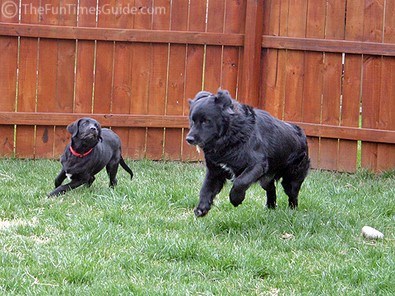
243 182
60 178
212 185
64 188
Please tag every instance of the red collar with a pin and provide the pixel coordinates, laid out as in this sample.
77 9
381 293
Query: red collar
78 154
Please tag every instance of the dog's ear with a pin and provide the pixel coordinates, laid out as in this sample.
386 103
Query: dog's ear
72 128
223 98
202 94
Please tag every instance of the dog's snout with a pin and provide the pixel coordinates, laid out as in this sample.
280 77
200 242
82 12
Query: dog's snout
190 139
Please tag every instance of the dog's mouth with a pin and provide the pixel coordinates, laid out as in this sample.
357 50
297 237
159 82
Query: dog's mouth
93 135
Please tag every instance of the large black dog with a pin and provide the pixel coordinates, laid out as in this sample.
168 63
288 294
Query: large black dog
90 150
247 145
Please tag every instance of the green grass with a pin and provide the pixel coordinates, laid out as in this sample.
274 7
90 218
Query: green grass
143 239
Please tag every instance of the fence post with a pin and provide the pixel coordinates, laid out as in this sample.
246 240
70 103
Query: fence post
251 66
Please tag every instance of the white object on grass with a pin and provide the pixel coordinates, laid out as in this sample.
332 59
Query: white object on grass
371 233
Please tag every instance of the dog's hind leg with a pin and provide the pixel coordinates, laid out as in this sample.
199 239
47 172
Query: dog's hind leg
270 189
243 182
91 180
112 169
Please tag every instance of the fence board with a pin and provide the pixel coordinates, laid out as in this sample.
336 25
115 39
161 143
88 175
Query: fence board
385 152
27 86
123 76
313 79
176 91
332 83
372 70
193 69
142 55
158 85
296 27
136 72
348 150
8 79
47 86
233 23
213 54
85 62
272 77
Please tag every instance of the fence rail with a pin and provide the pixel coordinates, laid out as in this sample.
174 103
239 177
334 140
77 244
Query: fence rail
327 65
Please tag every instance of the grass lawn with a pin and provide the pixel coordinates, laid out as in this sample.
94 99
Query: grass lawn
143 239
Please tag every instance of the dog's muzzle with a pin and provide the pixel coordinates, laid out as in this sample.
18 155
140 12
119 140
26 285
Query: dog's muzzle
191 140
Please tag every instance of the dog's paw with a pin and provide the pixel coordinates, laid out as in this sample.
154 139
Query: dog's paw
200 212
236 197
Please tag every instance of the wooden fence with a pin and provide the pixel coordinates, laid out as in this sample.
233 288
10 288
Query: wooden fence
327 64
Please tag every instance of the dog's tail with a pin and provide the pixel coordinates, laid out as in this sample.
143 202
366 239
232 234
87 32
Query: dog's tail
125 167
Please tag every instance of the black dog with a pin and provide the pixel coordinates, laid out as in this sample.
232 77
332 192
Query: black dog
247 145
90 150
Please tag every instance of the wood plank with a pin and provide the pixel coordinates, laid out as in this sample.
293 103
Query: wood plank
332 83
158 85
47 86
250 78
313 75
385 152
114 34
85 62
350 110
142 65
176 80
371 88
123 76
8 82
193 70
213 55
234 23
27 85
328 45
178 121
296 27
65 72
273 84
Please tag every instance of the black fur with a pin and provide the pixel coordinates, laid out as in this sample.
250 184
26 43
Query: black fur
247 145
86 134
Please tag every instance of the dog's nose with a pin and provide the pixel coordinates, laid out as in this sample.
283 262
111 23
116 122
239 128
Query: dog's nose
190 139
93 128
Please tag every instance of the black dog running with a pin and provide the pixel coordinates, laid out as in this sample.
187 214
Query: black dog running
90 150
247 145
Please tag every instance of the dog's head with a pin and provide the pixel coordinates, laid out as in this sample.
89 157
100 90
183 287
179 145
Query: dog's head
209 117
85 130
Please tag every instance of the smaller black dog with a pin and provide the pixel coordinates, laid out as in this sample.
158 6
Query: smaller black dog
90 150
246 145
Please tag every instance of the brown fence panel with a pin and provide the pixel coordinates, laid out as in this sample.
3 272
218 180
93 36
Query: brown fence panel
273 84
194 68
313 78
8 79
332 82
372 71
27 85
85 62
176 84
347 157
316 63
386 152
